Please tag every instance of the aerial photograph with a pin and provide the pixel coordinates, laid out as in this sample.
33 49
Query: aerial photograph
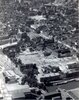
39 50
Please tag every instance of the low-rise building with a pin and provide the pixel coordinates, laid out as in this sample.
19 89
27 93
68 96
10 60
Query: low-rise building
10 76
61 94
17 91
51 96
72 74
64 53
74 66
47 78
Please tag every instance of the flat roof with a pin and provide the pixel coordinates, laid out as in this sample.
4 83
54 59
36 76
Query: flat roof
48 75
38 17
17 87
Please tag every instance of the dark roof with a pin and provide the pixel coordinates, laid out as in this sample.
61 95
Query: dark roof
73 66
64 51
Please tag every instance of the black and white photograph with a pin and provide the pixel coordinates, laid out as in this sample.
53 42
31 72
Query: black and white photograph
39 50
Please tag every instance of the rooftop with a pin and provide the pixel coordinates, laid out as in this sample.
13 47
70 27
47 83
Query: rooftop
38 17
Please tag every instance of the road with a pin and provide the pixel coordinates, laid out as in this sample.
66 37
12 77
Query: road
8 44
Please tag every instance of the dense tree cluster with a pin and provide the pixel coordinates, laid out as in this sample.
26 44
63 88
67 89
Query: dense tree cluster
62 19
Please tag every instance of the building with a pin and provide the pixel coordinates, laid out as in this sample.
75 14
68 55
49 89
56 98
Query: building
52 96
17 91
72 74
64 53
4 36
47 78
10 76
4 39
30 96
73 71
38 18
74 66
61 94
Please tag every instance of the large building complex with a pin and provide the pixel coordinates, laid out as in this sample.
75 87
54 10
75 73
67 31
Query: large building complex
39 50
